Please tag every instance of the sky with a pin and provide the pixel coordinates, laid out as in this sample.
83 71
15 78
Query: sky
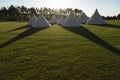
105 7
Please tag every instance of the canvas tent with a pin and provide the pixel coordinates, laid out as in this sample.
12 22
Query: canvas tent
53 20
96 19
32 20
83 18
71 21
65 18
41 22
60 21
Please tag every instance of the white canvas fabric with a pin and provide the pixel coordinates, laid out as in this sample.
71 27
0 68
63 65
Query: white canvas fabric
32 20
41 22
96 19
65 18
71 21
83 18
60 21
53 20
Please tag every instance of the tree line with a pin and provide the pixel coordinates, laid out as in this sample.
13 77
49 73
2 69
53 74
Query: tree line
22 13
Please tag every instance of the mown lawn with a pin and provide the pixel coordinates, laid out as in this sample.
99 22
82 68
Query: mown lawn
90 52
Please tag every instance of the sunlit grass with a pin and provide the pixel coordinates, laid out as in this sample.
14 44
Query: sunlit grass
58 53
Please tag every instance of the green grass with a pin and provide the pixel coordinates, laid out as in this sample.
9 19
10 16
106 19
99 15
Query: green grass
91 52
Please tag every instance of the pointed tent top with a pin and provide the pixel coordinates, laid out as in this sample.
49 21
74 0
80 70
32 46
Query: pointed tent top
41 13
96 18
83 18
32 20
53 20
96 11
83 13
41 22
71 21
60 21
72 12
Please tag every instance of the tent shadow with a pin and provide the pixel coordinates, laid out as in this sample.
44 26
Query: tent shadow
91 36
26 33
26 26
109 25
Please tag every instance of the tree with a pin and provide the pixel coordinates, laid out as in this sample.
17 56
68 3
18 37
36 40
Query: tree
118 17
4 13
79 12
12 12
76 11
22 13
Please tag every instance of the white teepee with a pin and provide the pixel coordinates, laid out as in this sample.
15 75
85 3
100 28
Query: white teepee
32 20
53 20
41 22
96 19
60 21
71 21
83 18
65 18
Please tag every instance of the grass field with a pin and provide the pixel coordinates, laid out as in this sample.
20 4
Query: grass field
90 52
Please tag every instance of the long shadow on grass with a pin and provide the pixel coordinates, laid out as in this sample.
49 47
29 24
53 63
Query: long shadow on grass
109 25
26 33
91 36
19 28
